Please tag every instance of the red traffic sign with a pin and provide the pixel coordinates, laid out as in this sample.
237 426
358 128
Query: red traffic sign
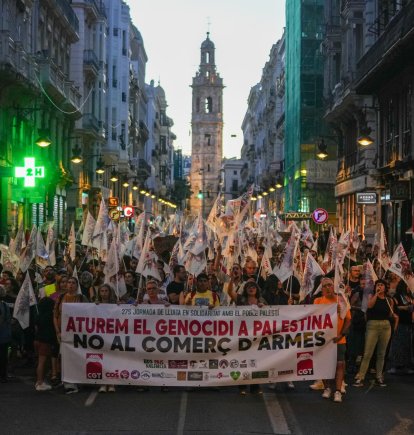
320 216
128 211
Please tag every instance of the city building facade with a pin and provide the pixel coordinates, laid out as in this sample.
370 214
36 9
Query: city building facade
38 100
264 132
369 105
309 180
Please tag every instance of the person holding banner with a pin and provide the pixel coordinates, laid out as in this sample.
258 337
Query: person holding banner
249 297
106 295
71 296
329 297
380 311
203 296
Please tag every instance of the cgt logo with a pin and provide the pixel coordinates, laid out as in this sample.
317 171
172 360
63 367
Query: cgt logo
304 364
94 366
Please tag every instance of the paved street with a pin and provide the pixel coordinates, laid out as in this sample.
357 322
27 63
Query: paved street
370 410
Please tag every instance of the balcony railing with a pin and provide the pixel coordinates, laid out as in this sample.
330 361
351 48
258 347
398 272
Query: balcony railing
90 59
89 122
66 10
12 55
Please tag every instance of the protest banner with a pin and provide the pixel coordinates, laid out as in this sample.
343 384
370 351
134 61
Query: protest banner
195 346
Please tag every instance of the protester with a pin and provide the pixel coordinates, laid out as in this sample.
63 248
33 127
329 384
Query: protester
329 297
380 310
176 287
106 295
202 296
45 341
71 296
5 334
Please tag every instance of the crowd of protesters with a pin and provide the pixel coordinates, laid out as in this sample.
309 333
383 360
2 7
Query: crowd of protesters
375 337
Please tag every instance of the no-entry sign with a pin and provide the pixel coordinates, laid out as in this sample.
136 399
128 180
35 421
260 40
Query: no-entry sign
320 216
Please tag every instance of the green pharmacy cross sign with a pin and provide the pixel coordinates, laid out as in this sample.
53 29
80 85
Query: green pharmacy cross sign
29 172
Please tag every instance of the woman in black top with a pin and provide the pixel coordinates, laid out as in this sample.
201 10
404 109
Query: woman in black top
401 344
378 332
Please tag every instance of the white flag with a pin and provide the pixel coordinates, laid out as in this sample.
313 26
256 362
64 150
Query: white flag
112 265
88 230
400 265
311 272
25 299
75 275
42 257
50 245
285 269
18 242
29 252
72 242
102 221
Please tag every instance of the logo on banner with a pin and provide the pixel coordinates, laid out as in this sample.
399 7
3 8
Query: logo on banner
181 376
155 364
145 375
235 375
195 376
223 364
213 364
135 374
94 365
305 363
264 374
124 374
177 364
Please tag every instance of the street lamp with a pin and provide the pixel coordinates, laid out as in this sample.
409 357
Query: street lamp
100 166
43 140
76 155
364 138
114 176
322 147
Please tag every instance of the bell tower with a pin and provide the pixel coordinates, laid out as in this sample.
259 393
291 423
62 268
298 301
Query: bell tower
207 131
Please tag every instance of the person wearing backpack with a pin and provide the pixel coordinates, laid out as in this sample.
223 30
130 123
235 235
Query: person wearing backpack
202 296
5 335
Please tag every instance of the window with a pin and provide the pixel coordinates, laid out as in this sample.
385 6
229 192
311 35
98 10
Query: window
115 32
207 139
234 172
124 96
198 104
209 105
235 185
163 144
207 57
208 167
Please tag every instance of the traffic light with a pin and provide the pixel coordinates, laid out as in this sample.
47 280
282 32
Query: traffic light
200 194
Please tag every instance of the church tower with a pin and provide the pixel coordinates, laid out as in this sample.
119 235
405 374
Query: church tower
207 132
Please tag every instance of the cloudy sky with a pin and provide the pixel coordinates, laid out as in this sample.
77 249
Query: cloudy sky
243 32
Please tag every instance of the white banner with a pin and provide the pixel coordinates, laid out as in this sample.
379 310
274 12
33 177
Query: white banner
195 346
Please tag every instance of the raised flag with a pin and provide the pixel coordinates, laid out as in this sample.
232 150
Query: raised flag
50 245
25 299
42 256
88 230
311 272
72 242
28 254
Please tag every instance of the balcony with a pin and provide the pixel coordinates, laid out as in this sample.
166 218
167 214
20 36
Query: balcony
391 52
66 15
90 63
143 169
13 60
90 124
53 80
73 99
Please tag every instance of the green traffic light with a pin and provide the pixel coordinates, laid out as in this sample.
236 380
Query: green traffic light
200 195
